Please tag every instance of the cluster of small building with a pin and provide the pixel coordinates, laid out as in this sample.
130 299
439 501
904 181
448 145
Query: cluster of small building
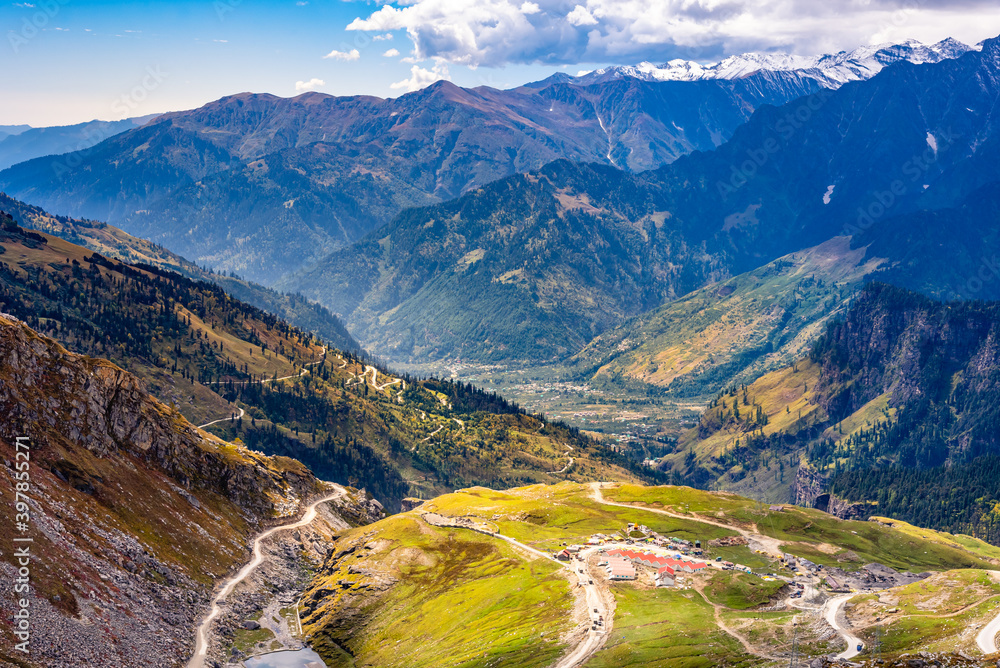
621 566
800 564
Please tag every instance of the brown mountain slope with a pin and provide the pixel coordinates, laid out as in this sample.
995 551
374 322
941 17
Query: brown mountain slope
132 513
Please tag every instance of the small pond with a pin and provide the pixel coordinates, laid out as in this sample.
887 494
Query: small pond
301 658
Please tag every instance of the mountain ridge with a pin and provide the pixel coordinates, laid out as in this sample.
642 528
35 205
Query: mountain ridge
657 235
830 70
262 185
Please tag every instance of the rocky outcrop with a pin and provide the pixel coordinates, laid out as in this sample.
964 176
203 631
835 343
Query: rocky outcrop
409 503
810 490
134 513
809 485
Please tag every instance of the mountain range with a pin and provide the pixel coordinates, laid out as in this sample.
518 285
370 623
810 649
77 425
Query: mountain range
263 185
25 143
792 259
114 243
570 250
348 418
829 70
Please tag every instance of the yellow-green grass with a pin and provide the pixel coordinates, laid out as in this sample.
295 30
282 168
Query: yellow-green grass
740 554
739 591
876 409
711 328
546 516
459 599
667 627
677 499
819 536
788 398
934 614
959 541
245 640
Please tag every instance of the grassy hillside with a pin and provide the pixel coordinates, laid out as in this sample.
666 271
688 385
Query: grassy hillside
448 596
817 535
936 613
112 242
439 597
213 356
895 407
732 331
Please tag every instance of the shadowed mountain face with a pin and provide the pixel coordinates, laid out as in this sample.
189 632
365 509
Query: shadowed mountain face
264 185
114 243
567 251
899 393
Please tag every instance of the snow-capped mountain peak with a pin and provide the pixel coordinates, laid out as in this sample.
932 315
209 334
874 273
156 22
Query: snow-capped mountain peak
829 70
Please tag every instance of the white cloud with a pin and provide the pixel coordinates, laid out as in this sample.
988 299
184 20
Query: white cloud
382 38
391 53
580 16
421 78
353 54
497 32
312 84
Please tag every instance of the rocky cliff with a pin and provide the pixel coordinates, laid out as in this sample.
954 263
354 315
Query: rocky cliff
811 489
133 516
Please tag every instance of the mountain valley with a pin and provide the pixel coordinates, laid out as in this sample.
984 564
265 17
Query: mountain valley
681 365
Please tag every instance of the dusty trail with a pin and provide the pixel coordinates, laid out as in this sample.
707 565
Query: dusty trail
593 595
987 638
305 370
569 463
225 419
721 623
201 642
831 610
771 545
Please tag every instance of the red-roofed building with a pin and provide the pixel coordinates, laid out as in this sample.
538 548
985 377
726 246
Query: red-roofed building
620 568
656 561
665 577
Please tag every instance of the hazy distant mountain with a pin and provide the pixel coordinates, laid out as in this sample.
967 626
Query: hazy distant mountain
11 130
28 142
112 242
830 70
263 185
529 266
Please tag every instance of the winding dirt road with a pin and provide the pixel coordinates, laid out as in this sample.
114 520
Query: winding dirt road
593 596
987 638
771 545
569 463
225 419
201 642
831 611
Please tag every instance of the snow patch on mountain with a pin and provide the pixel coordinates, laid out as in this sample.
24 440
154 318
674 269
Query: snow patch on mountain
830 70
828 195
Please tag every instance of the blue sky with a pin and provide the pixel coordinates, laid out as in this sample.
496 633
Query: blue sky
67 61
